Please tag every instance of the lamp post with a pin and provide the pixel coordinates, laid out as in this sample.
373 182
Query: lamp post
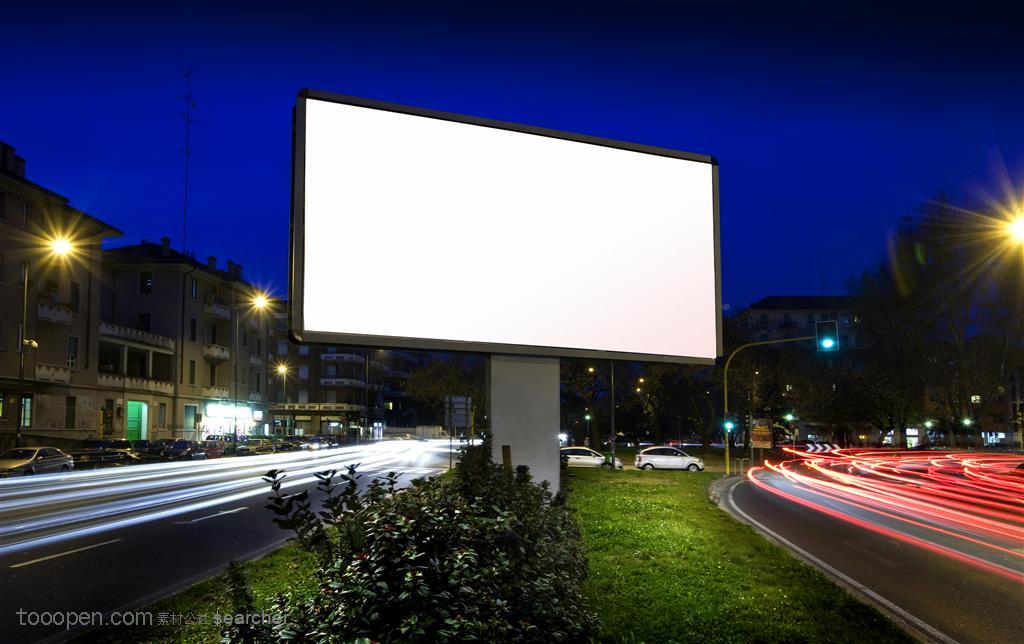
282 372
1015 234
59 247
257 303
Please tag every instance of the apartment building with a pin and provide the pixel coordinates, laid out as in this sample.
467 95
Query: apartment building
337 390
184 342
789 316
61 396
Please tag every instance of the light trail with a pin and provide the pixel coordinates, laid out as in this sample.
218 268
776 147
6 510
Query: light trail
37 511
967 506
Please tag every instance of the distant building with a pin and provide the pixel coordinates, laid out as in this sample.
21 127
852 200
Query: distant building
61 391
788 316
336 390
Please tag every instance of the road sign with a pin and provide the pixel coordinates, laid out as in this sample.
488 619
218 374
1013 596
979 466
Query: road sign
761 433
820 448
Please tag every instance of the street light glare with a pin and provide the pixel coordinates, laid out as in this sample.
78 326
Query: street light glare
828 343
60 246
1016 229
260 302
282 369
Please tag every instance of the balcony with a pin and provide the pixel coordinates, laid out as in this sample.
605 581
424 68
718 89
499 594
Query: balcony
52 373
342 357
218 310
396 373
111 330
340 382
114 381
54 313
214 392
255 396
255 361
216 352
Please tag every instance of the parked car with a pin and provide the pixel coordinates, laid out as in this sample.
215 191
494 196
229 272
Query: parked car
26 461
667 458
586 457
255 446
214 449
105 451
151 448
184 450
301 442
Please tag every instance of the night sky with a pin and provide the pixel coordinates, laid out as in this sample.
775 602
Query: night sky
828 127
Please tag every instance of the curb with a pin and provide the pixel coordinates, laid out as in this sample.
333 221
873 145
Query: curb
720 492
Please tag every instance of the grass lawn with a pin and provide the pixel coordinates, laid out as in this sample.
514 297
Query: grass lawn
288 569
666 564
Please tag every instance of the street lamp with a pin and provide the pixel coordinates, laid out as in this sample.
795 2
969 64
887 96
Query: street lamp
258 303
1015 229
60 247
587 418
282 372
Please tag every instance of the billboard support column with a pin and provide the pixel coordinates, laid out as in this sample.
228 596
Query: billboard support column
524 413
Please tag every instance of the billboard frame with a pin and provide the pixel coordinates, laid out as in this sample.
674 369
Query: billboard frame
297 239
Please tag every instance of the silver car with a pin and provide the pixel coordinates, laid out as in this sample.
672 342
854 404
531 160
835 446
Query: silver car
25 461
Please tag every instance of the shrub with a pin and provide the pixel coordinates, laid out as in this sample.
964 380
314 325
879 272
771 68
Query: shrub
482 555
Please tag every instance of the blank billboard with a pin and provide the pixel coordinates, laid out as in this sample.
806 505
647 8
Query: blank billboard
422 229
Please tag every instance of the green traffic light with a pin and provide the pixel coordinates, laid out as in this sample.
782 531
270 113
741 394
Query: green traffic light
729 425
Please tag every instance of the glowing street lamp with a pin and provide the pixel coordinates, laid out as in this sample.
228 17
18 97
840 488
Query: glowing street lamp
928 424
966 422
789 418
60 247
1015 229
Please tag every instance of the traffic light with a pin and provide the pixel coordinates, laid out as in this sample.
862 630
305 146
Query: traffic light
729 426
827 335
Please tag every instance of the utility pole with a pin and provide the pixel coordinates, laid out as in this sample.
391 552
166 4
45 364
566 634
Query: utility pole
613 414
187 115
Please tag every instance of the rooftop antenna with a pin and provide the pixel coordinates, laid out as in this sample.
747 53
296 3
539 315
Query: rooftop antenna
187 114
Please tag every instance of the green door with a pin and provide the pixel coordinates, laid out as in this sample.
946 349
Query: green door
133 420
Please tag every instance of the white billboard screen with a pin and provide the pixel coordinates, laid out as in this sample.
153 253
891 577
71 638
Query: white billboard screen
436 231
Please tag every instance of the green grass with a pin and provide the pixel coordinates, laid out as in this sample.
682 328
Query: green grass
288 569
667 565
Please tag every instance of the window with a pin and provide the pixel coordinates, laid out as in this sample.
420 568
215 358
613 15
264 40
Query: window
26 213
213 375
304 350
26 410
193 326
74 296
303 396
194 289
3 395
144 321
72 352
245 376
259 347
69 412
303 372
331 371
213 334
192 372
257 383
282 348
190 417
162 415
146 282
245 338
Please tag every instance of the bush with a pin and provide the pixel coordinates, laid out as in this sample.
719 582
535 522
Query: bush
484 555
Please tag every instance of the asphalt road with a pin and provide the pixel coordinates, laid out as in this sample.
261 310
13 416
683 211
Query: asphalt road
120 538
952 600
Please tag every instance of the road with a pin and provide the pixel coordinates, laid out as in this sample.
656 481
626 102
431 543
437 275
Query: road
119 538
938 539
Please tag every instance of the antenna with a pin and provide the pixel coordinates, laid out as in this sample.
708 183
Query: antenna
189 105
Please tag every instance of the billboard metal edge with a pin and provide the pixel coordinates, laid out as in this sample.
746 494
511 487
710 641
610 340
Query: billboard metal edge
297 244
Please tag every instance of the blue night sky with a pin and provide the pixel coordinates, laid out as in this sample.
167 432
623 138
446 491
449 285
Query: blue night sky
828 127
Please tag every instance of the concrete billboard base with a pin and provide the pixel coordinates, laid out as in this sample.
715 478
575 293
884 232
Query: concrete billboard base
525 411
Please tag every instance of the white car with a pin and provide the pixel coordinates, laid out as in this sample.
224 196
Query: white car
586 457
667 458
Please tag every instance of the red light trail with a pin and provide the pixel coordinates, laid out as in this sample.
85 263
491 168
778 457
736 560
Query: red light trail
968 506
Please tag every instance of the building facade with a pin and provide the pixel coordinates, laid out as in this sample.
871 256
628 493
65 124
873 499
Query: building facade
337 390
185 343
62 396
790 316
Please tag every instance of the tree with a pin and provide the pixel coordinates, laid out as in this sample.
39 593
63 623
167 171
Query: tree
450 375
